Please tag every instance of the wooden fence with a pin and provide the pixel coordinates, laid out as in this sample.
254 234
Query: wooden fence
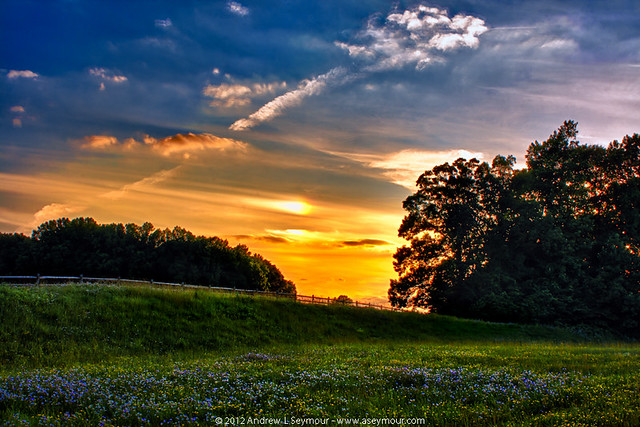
57 280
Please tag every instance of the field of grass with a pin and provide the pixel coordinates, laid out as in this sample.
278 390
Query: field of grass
315 365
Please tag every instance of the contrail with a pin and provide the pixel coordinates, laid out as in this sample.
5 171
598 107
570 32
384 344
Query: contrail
415 37
336 76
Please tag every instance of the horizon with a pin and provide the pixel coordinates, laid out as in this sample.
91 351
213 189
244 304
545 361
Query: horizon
296 129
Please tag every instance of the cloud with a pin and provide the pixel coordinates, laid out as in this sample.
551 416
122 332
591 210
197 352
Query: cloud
265 238
237 8
99 141
163 23
17 121
107 75
180 144
366 242
416 37
234 95
156 178
404 167
272 109
54 211
190 142
295 207
27 74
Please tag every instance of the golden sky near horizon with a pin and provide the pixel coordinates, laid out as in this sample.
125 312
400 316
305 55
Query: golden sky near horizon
329 242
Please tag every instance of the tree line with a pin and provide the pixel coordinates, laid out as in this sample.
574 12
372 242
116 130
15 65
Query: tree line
557 242
81 246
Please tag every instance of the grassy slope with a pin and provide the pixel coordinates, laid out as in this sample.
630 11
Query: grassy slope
61 325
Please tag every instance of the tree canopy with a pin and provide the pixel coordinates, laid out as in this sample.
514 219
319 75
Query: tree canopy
555 242
83 247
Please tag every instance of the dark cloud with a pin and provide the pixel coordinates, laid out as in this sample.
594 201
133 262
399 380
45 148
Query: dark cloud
264 238
365 242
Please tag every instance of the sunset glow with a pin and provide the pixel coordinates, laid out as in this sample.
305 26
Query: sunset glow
294 128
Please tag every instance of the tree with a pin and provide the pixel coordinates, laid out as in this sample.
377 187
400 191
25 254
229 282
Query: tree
556 242
343 299
449 217
83 247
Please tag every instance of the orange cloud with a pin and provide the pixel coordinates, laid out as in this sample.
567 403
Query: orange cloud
189 143
180 144
99 141
54 211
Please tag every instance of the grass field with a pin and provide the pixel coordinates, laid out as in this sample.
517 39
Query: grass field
88 355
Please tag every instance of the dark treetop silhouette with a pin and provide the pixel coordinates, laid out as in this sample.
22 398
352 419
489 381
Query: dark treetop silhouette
556 242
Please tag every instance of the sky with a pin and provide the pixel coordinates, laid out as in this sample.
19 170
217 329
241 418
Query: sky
295 127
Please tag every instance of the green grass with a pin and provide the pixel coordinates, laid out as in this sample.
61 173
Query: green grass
63 325
91 355
442 384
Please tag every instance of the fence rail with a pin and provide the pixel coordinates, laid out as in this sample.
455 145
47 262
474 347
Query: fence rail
306 299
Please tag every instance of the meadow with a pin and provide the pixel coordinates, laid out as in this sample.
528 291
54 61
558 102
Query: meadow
336 365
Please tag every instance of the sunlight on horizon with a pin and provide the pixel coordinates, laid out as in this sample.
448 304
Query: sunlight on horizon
300 208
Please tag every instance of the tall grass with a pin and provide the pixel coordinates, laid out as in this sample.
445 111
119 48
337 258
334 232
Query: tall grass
62 325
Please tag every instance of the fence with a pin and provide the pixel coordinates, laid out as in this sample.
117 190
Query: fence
306 299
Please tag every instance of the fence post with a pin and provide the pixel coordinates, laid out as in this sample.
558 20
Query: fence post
38 279
81 278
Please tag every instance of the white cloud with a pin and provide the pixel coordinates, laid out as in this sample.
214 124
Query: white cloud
27 74
106 75
404 167
237 8
163 23
234 95
415 37
336 76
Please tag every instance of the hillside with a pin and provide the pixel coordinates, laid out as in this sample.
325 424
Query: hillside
62 325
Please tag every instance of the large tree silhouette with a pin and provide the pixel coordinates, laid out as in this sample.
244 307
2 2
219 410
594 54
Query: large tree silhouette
556 242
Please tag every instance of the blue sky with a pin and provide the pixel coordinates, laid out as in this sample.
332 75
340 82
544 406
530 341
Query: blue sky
296 127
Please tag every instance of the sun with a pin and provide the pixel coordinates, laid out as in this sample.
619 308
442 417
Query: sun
295 207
